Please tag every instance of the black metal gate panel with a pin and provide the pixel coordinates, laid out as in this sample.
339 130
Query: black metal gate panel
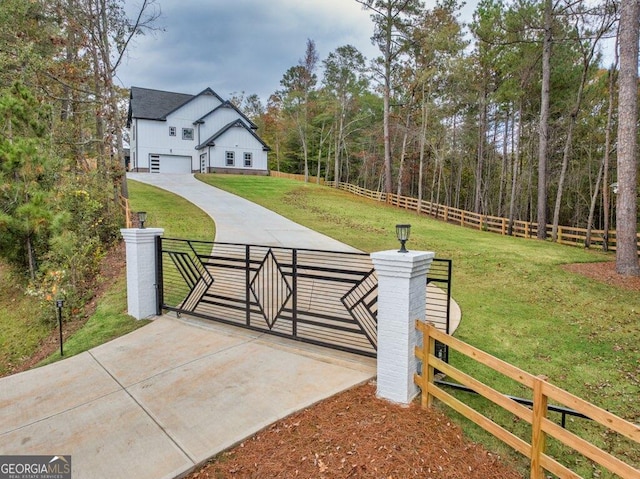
322 297
438 307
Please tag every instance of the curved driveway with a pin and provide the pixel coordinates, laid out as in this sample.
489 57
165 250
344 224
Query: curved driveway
155 403
239 220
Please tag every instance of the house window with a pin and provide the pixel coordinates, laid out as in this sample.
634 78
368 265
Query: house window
187 133
248 160
172 131
230 157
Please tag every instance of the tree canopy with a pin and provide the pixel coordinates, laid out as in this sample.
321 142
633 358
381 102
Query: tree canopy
511 115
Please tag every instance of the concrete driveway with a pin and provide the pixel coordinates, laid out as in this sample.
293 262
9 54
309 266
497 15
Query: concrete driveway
239 220
159 401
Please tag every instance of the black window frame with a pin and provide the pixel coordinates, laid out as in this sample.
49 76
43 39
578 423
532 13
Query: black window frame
188 134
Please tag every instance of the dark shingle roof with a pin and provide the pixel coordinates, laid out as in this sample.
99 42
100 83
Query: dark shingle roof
235 123
156 104
153 104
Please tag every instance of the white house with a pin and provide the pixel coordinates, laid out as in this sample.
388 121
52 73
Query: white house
182 133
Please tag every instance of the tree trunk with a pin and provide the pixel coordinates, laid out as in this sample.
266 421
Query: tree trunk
544 121
387 102
607 151
515 174
480 163
504 169
336 164
592 206
403 153
423 142
627 209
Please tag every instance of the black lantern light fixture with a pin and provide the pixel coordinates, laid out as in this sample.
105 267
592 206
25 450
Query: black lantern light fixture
142 217
402 233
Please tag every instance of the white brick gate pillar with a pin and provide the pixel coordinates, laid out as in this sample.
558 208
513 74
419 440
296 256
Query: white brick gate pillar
401 300
141 270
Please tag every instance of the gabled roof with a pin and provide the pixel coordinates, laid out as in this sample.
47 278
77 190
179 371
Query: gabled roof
228 104
211 141
149 104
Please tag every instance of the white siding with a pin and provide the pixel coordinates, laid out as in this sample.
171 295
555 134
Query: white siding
216 121
238 140
152 137
195 109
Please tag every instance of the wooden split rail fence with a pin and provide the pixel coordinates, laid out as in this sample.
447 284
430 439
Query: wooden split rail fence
126 209
541 426
495 224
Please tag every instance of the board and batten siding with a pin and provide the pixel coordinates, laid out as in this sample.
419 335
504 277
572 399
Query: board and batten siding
153 138
239 141
216 121
194 109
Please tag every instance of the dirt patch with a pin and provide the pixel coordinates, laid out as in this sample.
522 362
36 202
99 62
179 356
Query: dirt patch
111 267
356 435
605 273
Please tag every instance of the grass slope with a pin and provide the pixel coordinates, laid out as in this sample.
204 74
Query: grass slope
20 330
179 218
517 301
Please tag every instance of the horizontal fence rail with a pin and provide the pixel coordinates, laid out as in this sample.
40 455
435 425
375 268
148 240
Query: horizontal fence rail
495 224
543 392
322 297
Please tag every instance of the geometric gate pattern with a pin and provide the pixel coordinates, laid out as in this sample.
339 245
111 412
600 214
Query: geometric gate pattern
321 297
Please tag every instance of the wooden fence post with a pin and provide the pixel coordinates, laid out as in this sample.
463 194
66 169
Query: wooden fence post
538 437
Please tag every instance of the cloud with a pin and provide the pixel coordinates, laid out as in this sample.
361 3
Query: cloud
240 45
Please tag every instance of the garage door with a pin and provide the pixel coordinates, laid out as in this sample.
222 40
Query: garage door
170 164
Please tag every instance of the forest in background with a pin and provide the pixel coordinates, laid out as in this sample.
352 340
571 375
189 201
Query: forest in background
61 139
514 114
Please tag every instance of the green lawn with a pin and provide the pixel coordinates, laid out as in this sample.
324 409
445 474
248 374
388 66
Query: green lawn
516 300
179 218
20 329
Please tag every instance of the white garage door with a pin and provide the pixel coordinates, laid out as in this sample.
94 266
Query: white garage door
170 164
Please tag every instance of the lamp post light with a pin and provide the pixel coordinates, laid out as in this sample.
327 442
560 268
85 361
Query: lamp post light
142 217
402 233
59 305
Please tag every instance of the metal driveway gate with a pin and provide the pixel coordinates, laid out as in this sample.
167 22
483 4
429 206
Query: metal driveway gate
322 297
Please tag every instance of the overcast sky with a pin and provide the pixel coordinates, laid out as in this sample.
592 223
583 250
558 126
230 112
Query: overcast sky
240 45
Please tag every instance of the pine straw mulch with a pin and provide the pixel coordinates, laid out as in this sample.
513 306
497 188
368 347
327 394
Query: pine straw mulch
605 273
352 434
356 435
